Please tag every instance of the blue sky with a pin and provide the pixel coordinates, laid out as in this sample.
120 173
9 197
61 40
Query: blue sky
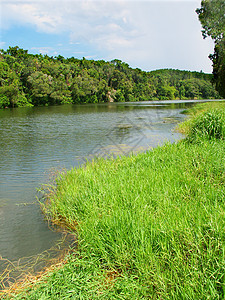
146 34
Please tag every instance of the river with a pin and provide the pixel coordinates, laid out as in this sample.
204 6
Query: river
37 141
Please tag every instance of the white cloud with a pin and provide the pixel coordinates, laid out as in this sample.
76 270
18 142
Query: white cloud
146 34
35 14
2 44
43 50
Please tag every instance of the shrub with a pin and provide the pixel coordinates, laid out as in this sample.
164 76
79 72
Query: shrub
4 101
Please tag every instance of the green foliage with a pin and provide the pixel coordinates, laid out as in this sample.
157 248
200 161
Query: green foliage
211 15
11 93
167 92
4 100
218 59
53 81
119 97
40 85
23 101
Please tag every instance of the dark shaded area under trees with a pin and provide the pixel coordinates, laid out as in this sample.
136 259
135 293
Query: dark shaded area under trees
28 79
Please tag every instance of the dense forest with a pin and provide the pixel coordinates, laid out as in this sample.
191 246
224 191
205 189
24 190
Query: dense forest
28 79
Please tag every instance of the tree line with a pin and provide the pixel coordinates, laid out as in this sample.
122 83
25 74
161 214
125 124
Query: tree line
37 80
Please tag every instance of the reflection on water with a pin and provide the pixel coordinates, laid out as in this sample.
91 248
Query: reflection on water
36 140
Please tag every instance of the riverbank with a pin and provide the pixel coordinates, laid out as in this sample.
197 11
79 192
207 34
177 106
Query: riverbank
149 225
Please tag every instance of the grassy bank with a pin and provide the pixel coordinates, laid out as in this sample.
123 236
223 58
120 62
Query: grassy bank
206 121
149 226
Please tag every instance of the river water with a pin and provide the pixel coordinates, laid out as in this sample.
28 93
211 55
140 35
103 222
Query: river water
35 142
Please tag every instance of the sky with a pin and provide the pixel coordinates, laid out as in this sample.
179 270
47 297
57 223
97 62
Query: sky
146 34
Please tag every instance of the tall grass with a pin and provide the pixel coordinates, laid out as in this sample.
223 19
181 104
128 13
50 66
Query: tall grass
149 226
207 121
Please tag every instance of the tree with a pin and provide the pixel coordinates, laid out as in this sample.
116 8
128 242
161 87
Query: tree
60 93
40 85
166 92
212 17
11 92
17 52
218 59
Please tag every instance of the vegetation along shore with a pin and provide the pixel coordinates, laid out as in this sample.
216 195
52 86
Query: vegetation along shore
149 226
39 80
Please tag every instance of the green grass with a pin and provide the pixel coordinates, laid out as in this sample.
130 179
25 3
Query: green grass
149 226
207 121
